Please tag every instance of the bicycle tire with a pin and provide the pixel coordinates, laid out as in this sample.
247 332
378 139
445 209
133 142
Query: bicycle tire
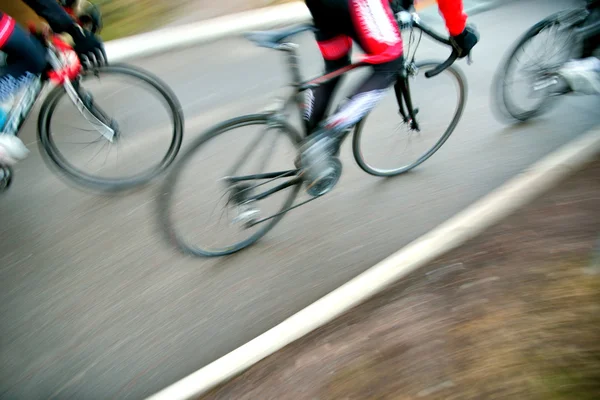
165 200
503 105
462 93
117 184
6 178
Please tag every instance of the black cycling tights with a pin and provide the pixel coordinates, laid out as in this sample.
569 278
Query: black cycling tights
363 99
339 23
24 54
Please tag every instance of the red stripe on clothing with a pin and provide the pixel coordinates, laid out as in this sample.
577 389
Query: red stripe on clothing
336 48
455 17
7 26
377 30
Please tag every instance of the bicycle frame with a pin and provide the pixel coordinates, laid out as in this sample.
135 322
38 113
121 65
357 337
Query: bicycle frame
277 114
64 73
401 88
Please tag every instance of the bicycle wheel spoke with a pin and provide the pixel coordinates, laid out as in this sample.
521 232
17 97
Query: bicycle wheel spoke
266 158
107 155
240 192
259 138
420 140
98 152
529 73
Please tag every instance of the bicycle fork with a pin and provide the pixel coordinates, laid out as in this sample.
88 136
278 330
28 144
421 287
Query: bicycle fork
405 106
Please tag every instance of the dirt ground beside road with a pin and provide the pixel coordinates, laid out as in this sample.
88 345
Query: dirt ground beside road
513 314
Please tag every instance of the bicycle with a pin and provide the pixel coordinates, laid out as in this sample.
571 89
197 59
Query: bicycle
571 34
70 78
240 194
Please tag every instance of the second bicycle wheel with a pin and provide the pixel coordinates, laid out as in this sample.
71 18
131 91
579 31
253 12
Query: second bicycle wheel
127 129
204 211
385 145
526 83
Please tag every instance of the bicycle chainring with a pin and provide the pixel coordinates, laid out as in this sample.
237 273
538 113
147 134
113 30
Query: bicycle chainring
325 179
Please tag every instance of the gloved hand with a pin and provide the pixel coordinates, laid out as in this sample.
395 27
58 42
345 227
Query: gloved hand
88 47
464 42
401 5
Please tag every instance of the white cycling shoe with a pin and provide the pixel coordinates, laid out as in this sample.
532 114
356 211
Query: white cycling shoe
12 150
582 76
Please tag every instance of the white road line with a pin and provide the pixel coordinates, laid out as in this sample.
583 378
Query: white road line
465 225
193 34
205 31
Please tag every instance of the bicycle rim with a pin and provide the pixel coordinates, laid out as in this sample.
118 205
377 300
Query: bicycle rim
540 73
168 200
159 94
400 129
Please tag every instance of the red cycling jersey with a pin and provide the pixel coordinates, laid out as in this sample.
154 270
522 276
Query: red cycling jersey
372 24
454 15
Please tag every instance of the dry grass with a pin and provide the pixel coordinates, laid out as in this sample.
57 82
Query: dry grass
540 343
510 315
129 17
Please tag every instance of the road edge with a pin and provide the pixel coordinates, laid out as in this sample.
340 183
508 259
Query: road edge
172 38
484 213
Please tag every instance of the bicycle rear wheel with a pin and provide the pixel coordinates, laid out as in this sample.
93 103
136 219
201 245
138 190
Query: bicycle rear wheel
191 214
103 154
439 104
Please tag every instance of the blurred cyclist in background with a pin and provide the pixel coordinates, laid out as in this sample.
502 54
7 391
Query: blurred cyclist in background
26 58
583 75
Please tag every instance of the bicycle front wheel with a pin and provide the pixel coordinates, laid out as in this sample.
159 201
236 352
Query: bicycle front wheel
386 145
125 129
221 195
526 84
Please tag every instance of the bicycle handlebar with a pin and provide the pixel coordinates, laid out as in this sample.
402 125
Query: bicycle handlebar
443 66
416 21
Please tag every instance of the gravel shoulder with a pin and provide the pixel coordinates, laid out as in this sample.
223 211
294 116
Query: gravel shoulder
513 314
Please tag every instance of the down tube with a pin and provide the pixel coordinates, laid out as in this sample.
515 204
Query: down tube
18 115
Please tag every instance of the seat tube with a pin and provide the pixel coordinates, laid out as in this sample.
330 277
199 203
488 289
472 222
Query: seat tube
293 62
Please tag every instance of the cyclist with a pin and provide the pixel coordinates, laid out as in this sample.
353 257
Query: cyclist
583 75
372 25
26 58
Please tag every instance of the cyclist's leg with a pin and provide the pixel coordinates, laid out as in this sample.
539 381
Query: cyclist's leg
334 45
583 75
25 56
377 32
25 53
336 53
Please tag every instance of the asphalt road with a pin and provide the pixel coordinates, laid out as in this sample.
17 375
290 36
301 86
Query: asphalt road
94 303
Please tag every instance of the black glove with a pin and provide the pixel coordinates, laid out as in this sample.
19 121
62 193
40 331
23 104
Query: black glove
464 42
88 47
401 5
